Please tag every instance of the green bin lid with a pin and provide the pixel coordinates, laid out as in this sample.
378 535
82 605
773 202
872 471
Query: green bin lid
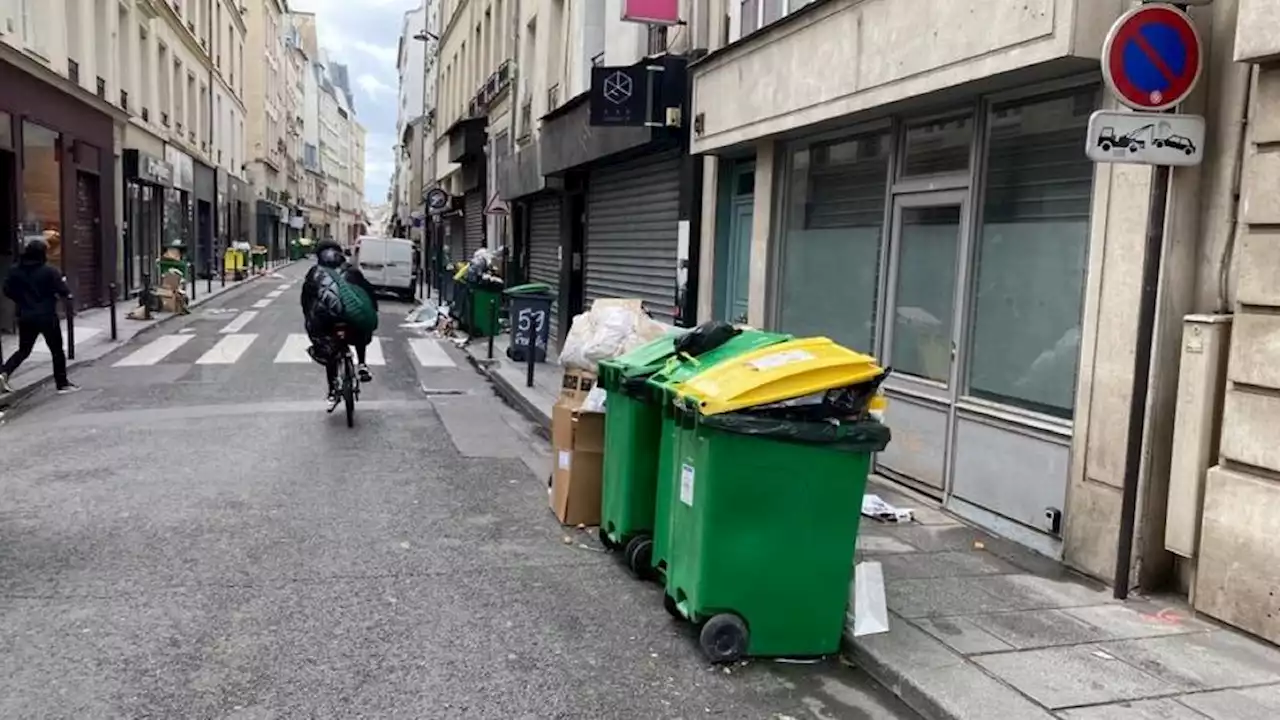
682 368
534 288
641 362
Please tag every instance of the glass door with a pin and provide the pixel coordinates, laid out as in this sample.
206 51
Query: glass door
921 338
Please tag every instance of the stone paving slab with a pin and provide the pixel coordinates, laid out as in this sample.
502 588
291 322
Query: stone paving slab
1073 676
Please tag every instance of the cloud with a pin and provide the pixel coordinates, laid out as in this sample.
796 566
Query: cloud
373 87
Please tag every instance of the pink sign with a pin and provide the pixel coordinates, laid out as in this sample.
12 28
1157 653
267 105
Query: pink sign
652 12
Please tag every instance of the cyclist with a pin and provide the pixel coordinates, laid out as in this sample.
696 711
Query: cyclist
323 311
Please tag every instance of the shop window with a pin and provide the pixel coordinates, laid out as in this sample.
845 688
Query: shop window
832 233
1032 255
42 188
937 147
6 131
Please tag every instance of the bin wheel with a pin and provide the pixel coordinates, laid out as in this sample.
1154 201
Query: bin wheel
724 639
607 541
669 604
640 556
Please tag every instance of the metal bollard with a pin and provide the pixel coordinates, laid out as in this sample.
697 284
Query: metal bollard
531 354
71 329
493 314
191 273
223 275
112 289
208 286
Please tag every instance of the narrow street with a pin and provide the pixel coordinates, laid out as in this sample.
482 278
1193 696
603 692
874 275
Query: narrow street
193 537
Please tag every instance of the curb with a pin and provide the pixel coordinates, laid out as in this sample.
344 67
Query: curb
21 394
895 680
510 393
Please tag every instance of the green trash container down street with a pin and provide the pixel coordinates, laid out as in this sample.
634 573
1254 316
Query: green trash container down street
485 303
765 511
631 500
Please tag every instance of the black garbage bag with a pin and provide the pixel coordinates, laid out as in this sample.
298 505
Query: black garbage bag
706 337
865 435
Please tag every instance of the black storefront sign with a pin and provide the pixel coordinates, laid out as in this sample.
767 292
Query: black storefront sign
622 96
147 168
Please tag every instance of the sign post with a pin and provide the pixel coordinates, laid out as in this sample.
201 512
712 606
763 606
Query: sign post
1151 61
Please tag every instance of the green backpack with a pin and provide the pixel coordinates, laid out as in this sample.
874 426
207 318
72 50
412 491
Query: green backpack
357 306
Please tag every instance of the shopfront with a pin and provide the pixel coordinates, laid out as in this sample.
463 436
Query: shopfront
953 245
179 221
146 180
57 161
206 194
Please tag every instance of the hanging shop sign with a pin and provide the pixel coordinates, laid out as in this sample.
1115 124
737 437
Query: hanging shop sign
651 12
620 95
147 168
1152 58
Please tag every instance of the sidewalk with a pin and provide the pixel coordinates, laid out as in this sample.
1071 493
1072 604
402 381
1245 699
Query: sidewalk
93 336
983 629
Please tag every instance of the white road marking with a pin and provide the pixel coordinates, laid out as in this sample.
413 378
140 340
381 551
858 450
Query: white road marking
295 349
228 350
374 354
154 351
430 354
286 286
275 294
82 334
263 303
238 324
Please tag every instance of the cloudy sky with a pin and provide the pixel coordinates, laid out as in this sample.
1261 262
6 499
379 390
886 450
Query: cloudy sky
363 34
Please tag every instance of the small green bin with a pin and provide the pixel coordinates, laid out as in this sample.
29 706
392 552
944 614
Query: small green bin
485 305
631 425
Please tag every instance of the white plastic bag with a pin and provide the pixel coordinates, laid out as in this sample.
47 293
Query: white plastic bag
573 354
595 400
870 610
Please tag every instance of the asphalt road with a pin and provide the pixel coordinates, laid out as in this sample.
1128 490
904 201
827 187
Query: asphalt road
193 537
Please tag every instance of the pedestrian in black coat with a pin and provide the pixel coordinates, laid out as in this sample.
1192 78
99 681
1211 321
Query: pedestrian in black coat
35 288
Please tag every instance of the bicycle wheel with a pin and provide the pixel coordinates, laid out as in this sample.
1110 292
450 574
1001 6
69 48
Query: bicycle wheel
349 389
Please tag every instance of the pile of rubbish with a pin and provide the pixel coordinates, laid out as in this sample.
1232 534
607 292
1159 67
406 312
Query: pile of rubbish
611 328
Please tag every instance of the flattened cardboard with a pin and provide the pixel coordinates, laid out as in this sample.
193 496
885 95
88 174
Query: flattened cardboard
578 443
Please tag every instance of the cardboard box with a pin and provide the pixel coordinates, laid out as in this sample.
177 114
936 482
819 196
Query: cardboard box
575 386
577 440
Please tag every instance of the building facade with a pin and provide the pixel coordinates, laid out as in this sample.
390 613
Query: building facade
268 130
416 66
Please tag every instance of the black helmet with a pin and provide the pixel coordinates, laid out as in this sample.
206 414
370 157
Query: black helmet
330 254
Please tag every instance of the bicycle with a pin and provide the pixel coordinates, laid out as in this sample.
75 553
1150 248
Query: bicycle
348 379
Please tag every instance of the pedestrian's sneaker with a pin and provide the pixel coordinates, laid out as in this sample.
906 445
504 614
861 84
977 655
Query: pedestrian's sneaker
68 389
5 387
365 375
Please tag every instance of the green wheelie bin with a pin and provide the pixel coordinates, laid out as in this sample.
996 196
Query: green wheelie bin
631 425
775 450
652 491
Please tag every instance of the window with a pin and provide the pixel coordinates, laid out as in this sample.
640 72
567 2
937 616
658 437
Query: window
833 226
937 146
163 75
42 188
1032 254
34 32
755 14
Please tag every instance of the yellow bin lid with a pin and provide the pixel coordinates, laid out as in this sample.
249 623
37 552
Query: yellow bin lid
779 372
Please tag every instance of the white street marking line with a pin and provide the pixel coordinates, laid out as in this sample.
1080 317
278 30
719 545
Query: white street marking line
374 354
228 350
82 334
238 324
263 303
295 349
430 354
154 351
286 286
275 294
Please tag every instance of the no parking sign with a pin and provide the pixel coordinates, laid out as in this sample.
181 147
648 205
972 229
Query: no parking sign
1152 57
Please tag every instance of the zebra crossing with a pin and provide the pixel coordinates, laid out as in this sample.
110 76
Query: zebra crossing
230 348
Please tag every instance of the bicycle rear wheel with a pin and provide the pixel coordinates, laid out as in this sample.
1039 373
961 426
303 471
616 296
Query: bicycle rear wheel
349 389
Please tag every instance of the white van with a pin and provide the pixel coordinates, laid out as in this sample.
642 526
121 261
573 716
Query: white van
388 264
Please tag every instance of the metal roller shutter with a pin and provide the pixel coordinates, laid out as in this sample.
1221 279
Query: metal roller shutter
473 214
633 215
544 249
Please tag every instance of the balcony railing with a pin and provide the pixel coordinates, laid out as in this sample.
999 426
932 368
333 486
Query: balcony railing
657 39
164 118
146 115
178 126
73 71
102 88
124 99
553 97
526 121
